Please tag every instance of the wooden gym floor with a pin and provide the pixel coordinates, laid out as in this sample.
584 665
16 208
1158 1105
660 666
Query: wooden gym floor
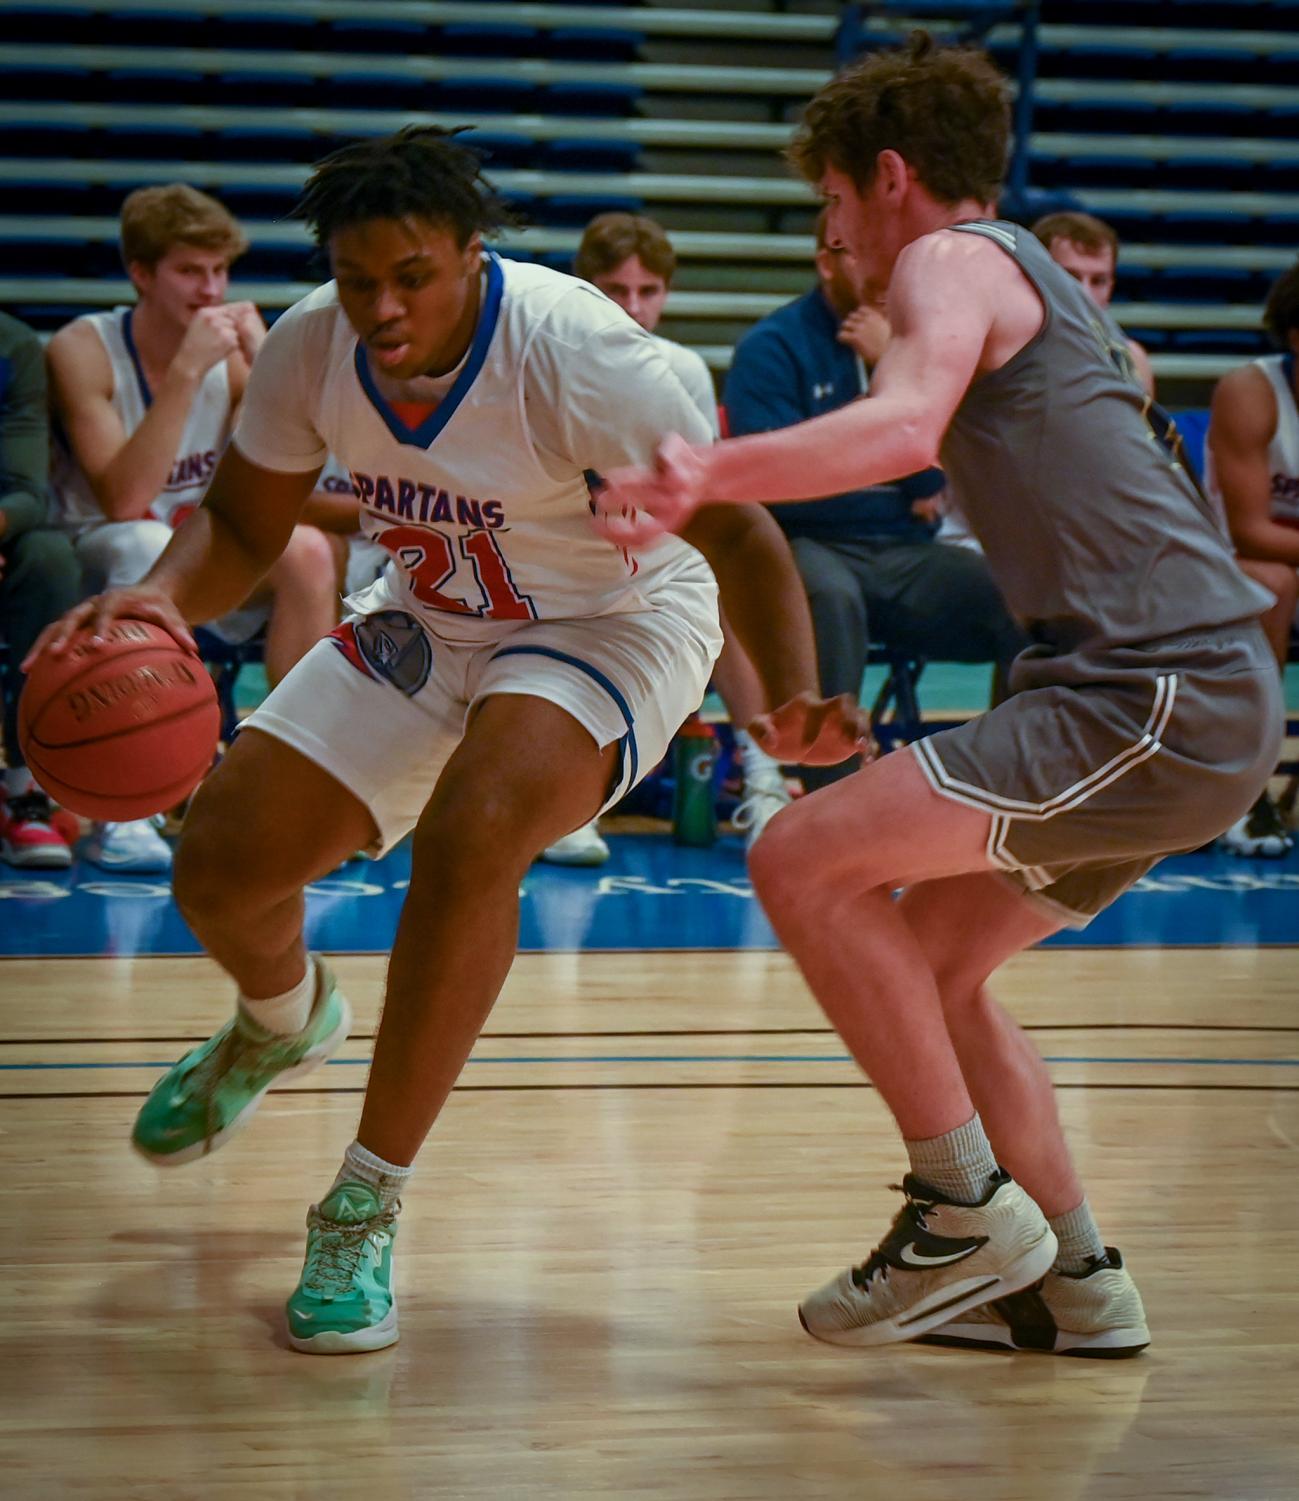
651 1158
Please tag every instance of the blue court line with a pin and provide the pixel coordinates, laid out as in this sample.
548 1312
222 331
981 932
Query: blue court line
704 1058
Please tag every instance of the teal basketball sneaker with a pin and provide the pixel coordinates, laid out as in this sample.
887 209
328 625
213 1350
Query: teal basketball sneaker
200 1102
343 1303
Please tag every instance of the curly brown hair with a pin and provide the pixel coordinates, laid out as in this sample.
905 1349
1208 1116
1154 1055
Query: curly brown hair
945 110
1281 311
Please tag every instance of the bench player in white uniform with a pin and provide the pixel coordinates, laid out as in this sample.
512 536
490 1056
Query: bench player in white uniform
630 258
1252 470
510 675
146 397
1143 719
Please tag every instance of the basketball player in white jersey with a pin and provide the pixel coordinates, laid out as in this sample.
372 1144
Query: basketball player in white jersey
1143 719
630 258
510 675
1252 469
146 397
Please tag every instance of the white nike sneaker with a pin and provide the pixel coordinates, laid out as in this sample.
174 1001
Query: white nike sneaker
136 847
582 847
938 1260
1096 1313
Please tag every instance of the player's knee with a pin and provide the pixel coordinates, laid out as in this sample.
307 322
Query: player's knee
204 883
471 834
307 564
778 862
220 870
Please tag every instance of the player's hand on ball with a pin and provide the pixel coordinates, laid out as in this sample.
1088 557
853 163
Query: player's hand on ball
815 731
637 506
97 613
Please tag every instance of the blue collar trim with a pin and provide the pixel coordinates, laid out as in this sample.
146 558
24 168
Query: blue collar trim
426 433
128 338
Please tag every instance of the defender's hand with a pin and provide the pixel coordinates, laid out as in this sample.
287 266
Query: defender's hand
815 731
637 506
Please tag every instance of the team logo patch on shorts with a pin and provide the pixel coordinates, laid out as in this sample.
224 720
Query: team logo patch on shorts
394 647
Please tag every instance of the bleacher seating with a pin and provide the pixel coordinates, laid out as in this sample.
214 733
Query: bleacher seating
1182 135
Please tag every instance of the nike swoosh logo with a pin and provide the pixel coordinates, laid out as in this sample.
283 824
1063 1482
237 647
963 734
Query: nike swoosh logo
912 1257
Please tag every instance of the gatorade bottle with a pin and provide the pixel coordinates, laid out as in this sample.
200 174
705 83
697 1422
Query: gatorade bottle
694 813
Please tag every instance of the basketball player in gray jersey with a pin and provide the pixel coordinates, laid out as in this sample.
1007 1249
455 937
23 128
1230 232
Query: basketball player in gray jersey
1146 716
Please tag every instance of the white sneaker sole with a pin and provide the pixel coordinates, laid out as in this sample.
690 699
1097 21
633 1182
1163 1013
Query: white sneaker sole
210 1144
358 1342
946 1303
37 859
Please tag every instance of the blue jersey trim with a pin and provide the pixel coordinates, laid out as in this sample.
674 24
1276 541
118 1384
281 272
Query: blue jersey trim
627 749
129 340
427 432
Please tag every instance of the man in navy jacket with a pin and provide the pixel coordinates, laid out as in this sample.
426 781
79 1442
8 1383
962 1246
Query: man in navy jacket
868 558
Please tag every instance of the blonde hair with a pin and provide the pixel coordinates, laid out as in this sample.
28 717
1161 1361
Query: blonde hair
155 219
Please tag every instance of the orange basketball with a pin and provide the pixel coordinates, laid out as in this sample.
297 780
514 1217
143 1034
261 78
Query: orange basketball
119 728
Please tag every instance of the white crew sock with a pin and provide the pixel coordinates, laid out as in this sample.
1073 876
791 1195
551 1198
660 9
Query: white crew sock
958 1163
360 1165
1080 1239
286 1014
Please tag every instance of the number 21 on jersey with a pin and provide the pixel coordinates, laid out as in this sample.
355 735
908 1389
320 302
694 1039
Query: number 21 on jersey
432 563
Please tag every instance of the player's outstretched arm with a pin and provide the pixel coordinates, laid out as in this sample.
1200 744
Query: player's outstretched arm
213 562
942 305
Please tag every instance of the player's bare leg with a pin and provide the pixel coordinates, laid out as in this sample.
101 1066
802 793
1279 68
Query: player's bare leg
495 806
243 896
525 771
242 893
968 926
1087 1304
826 871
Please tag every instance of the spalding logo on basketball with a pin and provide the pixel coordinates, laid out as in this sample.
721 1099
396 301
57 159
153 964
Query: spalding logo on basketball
119 728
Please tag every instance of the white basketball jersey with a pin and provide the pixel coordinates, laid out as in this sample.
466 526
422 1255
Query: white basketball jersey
485 503
690 369
1283 450
207 429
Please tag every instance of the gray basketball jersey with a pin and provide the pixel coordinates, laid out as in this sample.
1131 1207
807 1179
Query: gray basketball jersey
1094 530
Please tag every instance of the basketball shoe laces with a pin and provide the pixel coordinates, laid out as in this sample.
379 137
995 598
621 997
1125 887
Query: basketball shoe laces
333 1258
218 1066
908 1219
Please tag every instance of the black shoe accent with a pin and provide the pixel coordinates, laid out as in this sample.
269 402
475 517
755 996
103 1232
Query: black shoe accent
1111 1261
1028 1319
917 1188
910 1245
30 807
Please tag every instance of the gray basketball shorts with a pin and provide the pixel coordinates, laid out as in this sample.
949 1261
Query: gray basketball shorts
1099 764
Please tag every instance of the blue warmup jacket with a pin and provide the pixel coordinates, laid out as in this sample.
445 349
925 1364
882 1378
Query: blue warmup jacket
791 366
